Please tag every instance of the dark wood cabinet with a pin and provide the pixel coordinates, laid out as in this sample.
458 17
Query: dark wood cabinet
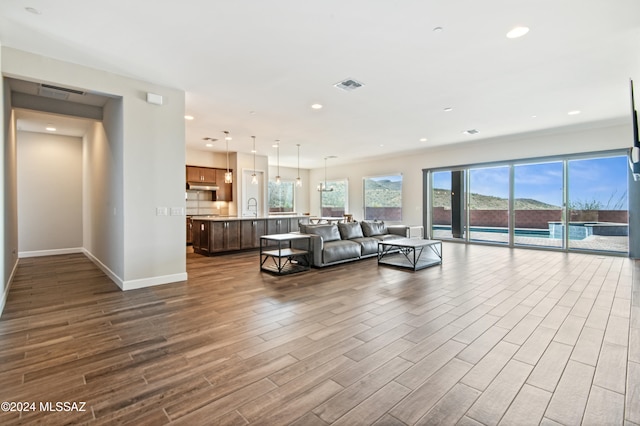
250 233
201 174
211 237
277 226
225 236
200 235
225 190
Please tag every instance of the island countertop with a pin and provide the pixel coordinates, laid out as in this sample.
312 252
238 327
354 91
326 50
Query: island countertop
214 218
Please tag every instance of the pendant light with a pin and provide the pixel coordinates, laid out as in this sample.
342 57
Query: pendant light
254 178
323 186
278 180
298 180
228 176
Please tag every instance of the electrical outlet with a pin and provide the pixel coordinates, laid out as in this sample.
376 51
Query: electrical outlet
162 211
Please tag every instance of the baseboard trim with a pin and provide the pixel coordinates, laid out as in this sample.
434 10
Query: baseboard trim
104 268
153 281
139 283
53 252
5 294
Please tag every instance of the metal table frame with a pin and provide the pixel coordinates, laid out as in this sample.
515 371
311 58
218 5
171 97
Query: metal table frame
284 258
410 253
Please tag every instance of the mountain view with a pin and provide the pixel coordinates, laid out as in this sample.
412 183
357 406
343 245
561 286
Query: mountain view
442 198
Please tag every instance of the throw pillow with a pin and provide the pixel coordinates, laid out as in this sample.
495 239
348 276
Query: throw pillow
350 230
371 229
327 232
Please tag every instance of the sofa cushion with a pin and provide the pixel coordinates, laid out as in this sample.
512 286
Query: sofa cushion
371 229
387 237
336 251
327 232
350 230
369 245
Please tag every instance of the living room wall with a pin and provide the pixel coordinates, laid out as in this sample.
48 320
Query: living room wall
601 136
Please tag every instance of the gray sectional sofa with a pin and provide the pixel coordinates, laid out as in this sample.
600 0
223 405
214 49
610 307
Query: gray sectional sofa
345 242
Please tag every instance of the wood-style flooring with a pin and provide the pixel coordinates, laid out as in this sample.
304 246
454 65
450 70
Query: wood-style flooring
492 336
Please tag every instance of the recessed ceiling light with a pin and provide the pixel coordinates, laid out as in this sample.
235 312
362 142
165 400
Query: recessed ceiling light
423 139
575 112
316 106
517 32
33 10
188 117
50 128
209 145
437 30
448 109
471 132
534 116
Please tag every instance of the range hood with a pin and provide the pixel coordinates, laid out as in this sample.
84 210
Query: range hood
202 186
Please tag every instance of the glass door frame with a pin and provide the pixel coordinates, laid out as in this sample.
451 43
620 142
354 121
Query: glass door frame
428 199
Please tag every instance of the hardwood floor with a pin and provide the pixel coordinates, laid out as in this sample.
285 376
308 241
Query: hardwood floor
493 336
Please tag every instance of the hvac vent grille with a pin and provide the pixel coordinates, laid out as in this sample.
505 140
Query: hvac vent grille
57 92
349 84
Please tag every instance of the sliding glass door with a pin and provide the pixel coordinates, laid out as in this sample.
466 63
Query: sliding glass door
441 205
538 204
598 205
572 203
489 204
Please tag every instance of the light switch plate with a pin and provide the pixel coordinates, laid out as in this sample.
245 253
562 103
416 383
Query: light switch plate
162 211
177 211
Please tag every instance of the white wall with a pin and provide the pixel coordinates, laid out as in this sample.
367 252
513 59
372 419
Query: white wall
49 194
9 211
602 137
148 158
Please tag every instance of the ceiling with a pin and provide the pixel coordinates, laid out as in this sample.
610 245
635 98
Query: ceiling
255 67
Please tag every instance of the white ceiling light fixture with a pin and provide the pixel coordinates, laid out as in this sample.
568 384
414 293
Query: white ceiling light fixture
316 106
323 185
254 177
277 145
298 180
423 139
50 128
575 112
228 176
517 32
189 117
448 109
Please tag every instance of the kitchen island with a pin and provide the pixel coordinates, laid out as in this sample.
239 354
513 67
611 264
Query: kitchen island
220 234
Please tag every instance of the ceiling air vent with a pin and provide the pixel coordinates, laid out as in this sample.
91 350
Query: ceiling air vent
57 92
349 84
471 132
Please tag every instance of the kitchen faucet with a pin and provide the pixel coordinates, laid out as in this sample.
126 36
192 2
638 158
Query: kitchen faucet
252 204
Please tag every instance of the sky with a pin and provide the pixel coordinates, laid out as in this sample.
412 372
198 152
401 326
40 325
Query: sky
603 180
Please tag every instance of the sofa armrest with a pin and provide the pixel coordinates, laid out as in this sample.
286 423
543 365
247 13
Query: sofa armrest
402 230
316 244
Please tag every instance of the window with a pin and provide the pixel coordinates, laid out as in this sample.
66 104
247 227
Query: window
523 204
281 196
334 203
383 198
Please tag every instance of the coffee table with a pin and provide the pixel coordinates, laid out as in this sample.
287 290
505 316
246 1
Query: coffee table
412 253
284 259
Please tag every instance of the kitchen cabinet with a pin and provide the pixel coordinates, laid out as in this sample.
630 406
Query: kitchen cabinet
202 174
200 235
225 236
250 233
189 230
225 190
278 226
